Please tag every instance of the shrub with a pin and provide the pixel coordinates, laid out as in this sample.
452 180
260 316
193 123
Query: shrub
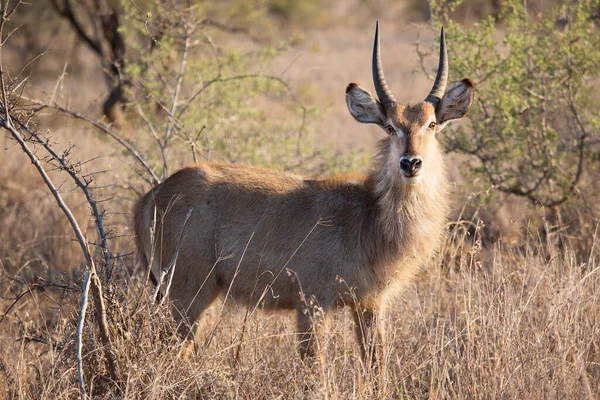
533 128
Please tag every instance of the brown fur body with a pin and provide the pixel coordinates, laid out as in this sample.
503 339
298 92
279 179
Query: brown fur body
318 229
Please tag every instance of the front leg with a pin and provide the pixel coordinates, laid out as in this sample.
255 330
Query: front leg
310 319
370 335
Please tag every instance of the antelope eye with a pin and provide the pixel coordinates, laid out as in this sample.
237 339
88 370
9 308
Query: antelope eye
389 129
432 125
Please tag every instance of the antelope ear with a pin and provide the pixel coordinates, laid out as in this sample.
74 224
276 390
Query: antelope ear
363 107
456 102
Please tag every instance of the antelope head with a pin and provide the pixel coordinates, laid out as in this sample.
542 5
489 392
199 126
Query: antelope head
412 144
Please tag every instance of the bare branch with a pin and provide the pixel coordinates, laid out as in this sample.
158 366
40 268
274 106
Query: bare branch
171 267
175 98
422 55
84 186
14 8
227 28
130 147
582 139
80 323
18 297
66 11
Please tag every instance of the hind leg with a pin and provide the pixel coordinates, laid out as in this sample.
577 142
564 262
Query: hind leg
189 303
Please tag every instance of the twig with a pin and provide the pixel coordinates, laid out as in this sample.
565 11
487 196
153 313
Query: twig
422 55
228 28
207 145
582 138
148 123
16 300
84 186
80 323
171 268
40 287
175 98
130 147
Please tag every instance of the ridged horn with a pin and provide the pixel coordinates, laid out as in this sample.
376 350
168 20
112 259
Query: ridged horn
441 80
381 87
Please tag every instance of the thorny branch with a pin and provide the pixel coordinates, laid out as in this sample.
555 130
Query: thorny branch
38 286
125 143
83 184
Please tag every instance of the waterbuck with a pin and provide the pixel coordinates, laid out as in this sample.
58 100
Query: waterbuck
269 238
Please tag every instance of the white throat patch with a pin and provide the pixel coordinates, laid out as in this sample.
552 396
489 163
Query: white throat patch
412 180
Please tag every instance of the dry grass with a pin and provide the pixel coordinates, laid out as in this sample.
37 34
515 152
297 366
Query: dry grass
497 322
501 323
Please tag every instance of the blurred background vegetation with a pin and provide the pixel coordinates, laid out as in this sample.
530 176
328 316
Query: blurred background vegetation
202 80
132 90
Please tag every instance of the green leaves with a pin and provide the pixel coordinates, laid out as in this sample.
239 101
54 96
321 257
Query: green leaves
534 112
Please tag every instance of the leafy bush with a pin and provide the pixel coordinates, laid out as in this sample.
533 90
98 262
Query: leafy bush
532 130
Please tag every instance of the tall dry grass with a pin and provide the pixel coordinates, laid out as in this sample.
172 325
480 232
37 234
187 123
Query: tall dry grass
493 323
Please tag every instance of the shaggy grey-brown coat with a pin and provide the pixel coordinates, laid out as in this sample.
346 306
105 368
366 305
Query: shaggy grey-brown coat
266 237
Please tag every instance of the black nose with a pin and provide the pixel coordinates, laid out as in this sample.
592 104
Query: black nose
411 165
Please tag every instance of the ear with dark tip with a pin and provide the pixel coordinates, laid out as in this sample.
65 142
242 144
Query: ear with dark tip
456 102
363 107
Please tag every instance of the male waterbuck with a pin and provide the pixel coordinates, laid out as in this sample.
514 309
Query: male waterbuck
269 238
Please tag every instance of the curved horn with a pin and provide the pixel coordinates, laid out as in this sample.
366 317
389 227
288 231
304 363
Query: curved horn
441 80
381 87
